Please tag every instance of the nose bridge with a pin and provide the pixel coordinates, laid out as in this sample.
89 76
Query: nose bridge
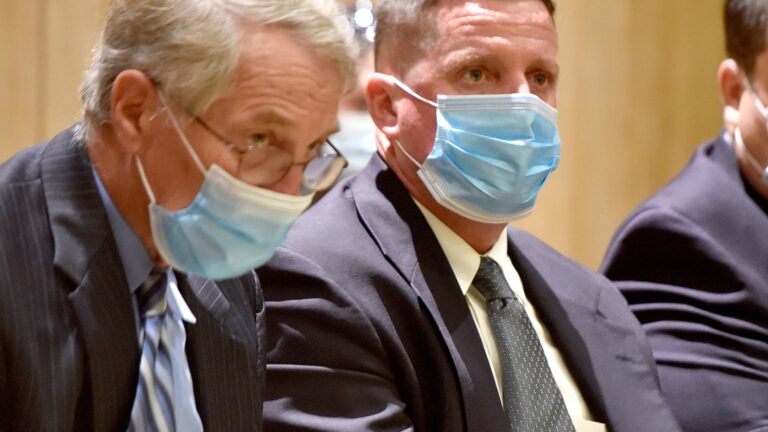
518 83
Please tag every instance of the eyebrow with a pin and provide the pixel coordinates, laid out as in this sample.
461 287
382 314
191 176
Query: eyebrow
460 59
273 118
553 66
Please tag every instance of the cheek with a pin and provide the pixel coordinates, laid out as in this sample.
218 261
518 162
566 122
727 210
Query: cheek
173 174
291 183
552 99
750 122
417 132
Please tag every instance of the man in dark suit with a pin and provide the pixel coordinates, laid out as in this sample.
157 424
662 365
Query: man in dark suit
127 296
693 259
389 306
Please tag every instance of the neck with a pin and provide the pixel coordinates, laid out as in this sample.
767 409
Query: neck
118 173
479 235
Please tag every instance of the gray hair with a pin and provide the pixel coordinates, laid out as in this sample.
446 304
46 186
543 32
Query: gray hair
406 21
190 48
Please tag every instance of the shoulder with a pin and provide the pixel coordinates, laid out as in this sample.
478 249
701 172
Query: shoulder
29 167
698 218
319 285
331 234
568 279
22 168
312 307
557 268
23 209
706 188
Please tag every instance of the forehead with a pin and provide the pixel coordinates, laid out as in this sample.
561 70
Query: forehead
281 80
521 30
495 16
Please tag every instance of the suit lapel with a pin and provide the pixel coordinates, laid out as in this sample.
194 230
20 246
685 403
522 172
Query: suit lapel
85 252
603 357
225 350
405 238
209 296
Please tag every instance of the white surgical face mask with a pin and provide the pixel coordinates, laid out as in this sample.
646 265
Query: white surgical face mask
229 228
762 170
739 141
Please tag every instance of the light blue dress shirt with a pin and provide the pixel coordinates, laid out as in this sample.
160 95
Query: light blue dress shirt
137 265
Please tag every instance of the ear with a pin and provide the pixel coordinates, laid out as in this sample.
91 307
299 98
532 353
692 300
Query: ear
134 104
379 94
731 83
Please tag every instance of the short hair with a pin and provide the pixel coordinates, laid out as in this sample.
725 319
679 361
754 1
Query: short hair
745 31
191 47
397 20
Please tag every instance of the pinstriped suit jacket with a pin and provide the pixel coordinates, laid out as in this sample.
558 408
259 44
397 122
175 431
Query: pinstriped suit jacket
68 346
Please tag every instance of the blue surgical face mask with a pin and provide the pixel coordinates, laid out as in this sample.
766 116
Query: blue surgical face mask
492 153
229 228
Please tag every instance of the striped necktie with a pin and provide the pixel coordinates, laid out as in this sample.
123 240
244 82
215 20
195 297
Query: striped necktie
153 405
532 401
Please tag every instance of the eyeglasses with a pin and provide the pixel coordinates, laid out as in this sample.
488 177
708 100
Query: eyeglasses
262 164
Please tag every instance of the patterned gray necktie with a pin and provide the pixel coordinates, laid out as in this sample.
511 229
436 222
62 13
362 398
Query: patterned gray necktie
153 406
532 401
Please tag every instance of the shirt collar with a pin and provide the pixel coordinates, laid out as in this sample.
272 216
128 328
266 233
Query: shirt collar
133 255
462 258
177 307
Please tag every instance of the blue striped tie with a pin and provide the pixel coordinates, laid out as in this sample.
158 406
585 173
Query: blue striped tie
153 406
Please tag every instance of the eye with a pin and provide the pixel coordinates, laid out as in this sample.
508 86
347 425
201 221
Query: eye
540 79
258 140
475 75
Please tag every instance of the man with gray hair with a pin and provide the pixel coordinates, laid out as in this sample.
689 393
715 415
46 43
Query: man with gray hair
127 242
403 301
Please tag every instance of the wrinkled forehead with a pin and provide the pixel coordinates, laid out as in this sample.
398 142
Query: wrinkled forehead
282 88
451 15
445 22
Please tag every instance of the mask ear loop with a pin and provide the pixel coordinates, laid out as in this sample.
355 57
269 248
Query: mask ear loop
184 140
751 159
758 103
408 155
404 88
182 136
144 181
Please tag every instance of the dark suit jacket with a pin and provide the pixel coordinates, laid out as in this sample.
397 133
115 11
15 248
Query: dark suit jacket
693 264
368 328
69 351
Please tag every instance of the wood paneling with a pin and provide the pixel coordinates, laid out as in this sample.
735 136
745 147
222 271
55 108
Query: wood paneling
637 95
73 28
44 45
22 38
